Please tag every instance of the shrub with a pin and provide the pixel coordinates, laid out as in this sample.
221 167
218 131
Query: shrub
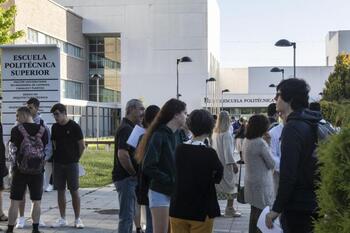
334 190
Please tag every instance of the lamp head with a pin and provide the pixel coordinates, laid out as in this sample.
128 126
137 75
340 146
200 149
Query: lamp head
276 69
96 76
225 90
210 79
284 43
184 59
272 85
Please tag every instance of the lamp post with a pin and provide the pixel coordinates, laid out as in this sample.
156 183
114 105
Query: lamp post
211 79
97 77
276 69
183 59
287 43
222 98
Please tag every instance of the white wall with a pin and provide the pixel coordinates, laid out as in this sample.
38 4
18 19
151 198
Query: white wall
154 33
332 47
260 78
344 42
234 79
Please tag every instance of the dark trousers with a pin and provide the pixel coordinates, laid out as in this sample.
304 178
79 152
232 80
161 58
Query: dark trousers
253 220
297 221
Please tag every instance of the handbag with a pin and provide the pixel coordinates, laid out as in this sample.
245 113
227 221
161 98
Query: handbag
4 171
240 193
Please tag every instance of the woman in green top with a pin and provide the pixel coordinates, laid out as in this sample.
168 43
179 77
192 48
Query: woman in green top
158 147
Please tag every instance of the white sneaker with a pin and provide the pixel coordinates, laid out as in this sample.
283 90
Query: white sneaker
78 224
42 223
49 188
61 222
21 222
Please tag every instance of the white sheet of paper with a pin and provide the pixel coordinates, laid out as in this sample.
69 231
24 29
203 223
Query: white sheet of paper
133 139
262 226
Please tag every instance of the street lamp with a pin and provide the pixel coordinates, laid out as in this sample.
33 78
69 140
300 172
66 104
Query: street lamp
211 79
276 69
287 43
222 98
183 59
97 77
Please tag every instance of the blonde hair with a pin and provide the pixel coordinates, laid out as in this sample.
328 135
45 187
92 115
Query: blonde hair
223 122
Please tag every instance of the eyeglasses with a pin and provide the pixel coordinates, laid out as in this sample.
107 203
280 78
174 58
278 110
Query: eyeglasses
56 113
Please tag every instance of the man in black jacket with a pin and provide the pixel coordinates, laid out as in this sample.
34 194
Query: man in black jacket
296 198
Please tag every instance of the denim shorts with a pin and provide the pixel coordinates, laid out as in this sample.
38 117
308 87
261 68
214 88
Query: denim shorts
66 174
157 199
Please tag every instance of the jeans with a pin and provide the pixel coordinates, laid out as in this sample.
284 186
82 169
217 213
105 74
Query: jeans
127 200
149 227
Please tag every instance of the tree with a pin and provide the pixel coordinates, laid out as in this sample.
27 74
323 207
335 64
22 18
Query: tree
7 20
334 190
338 84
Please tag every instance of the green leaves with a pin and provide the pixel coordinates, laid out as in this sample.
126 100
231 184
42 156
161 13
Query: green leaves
334 190
338 84
7 20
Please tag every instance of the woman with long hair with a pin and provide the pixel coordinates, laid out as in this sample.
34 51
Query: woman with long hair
222 142
259 164
158 147
142 180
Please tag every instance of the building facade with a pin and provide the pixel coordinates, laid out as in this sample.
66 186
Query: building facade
252 89
337 42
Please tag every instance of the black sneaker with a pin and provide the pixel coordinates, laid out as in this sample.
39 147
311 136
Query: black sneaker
36 231
139 230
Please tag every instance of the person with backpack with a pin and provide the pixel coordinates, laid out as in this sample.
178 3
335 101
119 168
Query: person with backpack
296 200
68 147
33 106
26 149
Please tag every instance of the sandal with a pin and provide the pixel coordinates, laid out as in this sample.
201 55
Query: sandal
3 218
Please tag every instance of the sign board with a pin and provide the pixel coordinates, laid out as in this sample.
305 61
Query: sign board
29 71
243 101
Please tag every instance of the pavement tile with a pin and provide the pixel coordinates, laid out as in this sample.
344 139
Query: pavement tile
105 199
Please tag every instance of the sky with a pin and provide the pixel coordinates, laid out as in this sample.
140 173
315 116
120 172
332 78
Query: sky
250 28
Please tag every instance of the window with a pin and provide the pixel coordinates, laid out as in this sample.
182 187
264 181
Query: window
72 90
41 38
104 59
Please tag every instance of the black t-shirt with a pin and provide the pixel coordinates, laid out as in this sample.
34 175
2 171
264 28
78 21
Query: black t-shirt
121 137
66 138
32 129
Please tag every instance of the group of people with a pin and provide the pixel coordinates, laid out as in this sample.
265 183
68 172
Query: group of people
181 165
180 179
173 170
34 149
280 162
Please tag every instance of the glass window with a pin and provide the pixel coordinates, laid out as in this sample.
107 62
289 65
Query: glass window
72 90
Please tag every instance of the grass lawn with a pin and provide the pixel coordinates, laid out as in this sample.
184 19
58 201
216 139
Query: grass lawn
98 167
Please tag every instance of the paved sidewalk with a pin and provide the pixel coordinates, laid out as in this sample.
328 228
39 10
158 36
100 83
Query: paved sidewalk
99 208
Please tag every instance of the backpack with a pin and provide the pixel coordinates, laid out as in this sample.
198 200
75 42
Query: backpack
32 152
324 130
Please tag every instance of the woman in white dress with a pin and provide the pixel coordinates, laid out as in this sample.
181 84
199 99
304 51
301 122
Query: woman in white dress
222 142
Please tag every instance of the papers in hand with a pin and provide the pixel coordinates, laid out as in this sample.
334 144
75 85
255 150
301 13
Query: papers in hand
134 137
262 226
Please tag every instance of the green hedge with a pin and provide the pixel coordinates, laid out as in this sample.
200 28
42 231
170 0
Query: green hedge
334 190
336 112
